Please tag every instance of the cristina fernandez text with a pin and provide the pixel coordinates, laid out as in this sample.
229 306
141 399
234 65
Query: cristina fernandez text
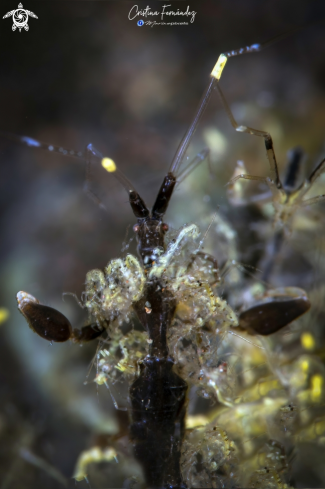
135 12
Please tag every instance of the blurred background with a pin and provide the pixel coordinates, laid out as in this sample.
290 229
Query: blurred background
84 73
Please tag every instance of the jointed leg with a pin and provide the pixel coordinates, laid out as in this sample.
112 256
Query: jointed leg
305 187
319 170
236 194
255 132
86 333
313 200
297 195
214 80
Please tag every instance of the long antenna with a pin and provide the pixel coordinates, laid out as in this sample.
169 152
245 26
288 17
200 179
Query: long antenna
181 150
107 163
215 77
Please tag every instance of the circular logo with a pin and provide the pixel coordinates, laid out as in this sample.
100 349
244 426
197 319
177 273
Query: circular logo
20 18
140 22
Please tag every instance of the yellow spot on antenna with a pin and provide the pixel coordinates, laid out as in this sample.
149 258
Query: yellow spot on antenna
316 386
4 314
109 165
219 66
307 341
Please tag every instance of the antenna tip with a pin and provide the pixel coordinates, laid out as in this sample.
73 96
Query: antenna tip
219 66
109 165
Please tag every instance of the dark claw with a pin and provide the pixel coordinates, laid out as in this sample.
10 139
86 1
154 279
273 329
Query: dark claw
47 322
51 324
269 317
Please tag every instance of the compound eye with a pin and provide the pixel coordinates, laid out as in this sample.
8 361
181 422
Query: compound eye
164 227
136 228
